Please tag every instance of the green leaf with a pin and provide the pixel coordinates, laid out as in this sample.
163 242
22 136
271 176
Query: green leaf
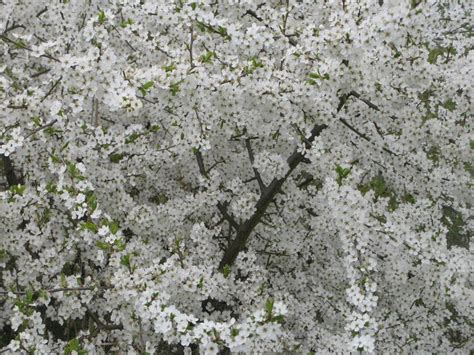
159 199
20 44
201 283
145 87
102 245
148 85
155 128
433 154
207 57
3 254
255 63
169 68
43 294
44 217
450 105
458 234
63 281
226 270
126 23
275 135
116 157
91 226
419 303
380 188
55 159
101 17
132 138
174 88
378 185
201 26
36 121
18 189
74 171
29 296
409 198
223 32
114 227
51 188
52 130
469 167
74 347
313 77
125 260
342 173
434 53
120 245
269 306
415 3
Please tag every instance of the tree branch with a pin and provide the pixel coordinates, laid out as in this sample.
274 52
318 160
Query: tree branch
55 290
260 19
190 48
367 102
12 178
200 162
102 325
227 216
55 84
36 130
255 170
360 134
266 198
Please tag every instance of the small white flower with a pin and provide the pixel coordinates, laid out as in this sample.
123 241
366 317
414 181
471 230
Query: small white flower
80 198
104 230
96 214
55 107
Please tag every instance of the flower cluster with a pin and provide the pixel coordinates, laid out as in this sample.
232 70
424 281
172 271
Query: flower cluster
235 176
271 165
13 140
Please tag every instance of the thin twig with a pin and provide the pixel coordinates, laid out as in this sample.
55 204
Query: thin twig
62 289
200 162
190 48
41 128
223 209
255 170
353 129
52 89
41 72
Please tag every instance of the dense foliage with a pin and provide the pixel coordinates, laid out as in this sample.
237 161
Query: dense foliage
236 176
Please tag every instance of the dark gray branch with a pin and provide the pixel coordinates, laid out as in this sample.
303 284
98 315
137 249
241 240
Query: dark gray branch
12 178
223 210
255 170
246 228
200 162
36 130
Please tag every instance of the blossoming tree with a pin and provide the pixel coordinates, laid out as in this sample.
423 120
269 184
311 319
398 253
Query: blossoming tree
235 176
